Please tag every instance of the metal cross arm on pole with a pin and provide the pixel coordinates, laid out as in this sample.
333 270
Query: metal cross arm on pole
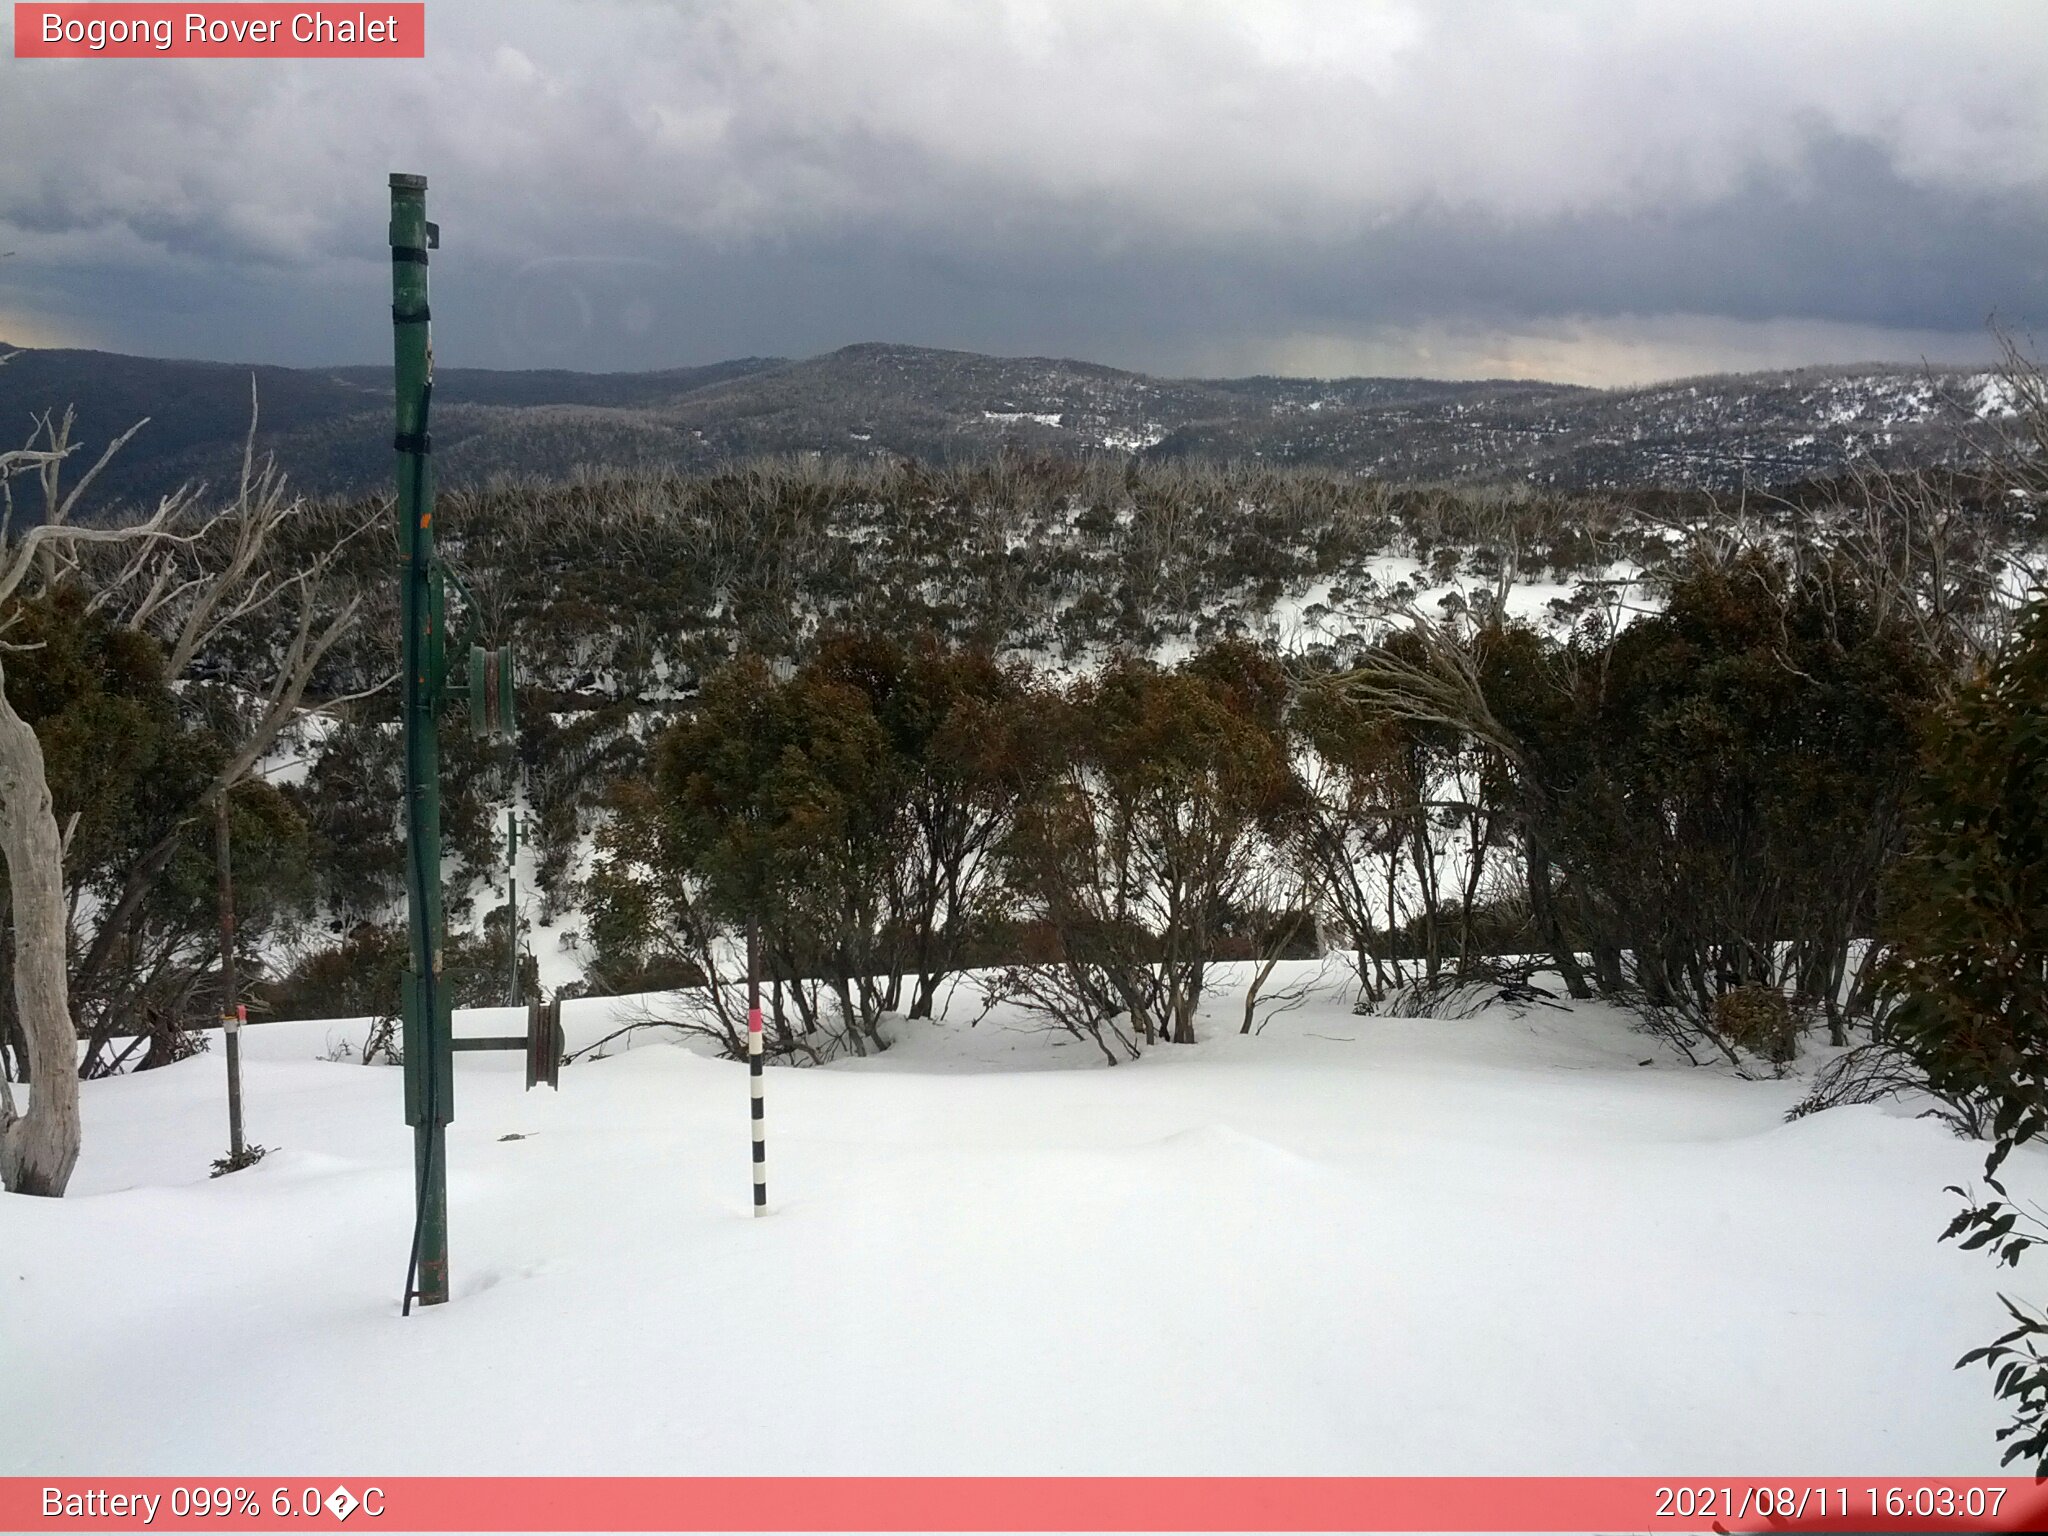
543 1043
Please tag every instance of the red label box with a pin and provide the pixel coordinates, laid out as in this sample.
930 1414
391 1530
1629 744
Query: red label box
1018 1504
233 31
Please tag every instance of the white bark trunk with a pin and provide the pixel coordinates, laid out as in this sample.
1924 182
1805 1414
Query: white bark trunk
37 1149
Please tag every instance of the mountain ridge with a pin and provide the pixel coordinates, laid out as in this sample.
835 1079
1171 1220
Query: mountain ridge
329 426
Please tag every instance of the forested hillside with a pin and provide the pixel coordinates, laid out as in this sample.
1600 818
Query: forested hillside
329 427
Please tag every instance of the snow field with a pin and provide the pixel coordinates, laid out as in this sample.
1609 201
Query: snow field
1345 1245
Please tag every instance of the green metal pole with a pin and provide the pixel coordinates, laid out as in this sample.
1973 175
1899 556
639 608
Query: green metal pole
428 1057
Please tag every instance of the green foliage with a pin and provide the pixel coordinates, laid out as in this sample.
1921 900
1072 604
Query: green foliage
1728 775
127 759
1971 921
363 975
104 714
359 977
569 766
782 794
351 799
842 812
2017 1359
271 850
1971 899
1146 800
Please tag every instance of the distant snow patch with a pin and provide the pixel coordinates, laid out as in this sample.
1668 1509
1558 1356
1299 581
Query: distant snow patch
1133 439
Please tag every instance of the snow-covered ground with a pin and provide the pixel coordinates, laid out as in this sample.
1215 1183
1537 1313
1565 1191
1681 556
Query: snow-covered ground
1345 1245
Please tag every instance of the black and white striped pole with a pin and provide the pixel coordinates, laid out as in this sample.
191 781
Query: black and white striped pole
756 1104
233 1014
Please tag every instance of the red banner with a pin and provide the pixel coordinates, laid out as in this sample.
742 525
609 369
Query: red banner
233 31
1023 1504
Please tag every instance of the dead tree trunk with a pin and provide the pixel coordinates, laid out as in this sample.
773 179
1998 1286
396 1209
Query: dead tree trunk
39 1148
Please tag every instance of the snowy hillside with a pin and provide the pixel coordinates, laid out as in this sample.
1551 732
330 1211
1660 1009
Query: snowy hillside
329 426
1526 1242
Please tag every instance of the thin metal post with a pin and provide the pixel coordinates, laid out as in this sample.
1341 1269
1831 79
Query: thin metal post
428 1058
754 1081
512 903
231 1011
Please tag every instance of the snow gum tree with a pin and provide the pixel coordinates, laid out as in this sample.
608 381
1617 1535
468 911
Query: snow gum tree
846 813
949 718
1415 781
1349 834
1152 801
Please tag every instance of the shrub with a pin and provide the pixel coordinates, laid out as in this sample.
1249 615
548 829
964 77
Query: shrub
1760 1020
362 975
1972 929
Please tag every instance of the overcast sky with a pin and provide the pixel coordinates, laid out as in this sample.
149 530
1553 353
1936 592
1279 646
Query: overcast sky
1598 192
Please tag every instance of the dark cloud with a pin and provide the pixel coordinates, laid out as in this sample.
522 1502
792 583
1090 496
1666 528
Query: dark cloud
1602 189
